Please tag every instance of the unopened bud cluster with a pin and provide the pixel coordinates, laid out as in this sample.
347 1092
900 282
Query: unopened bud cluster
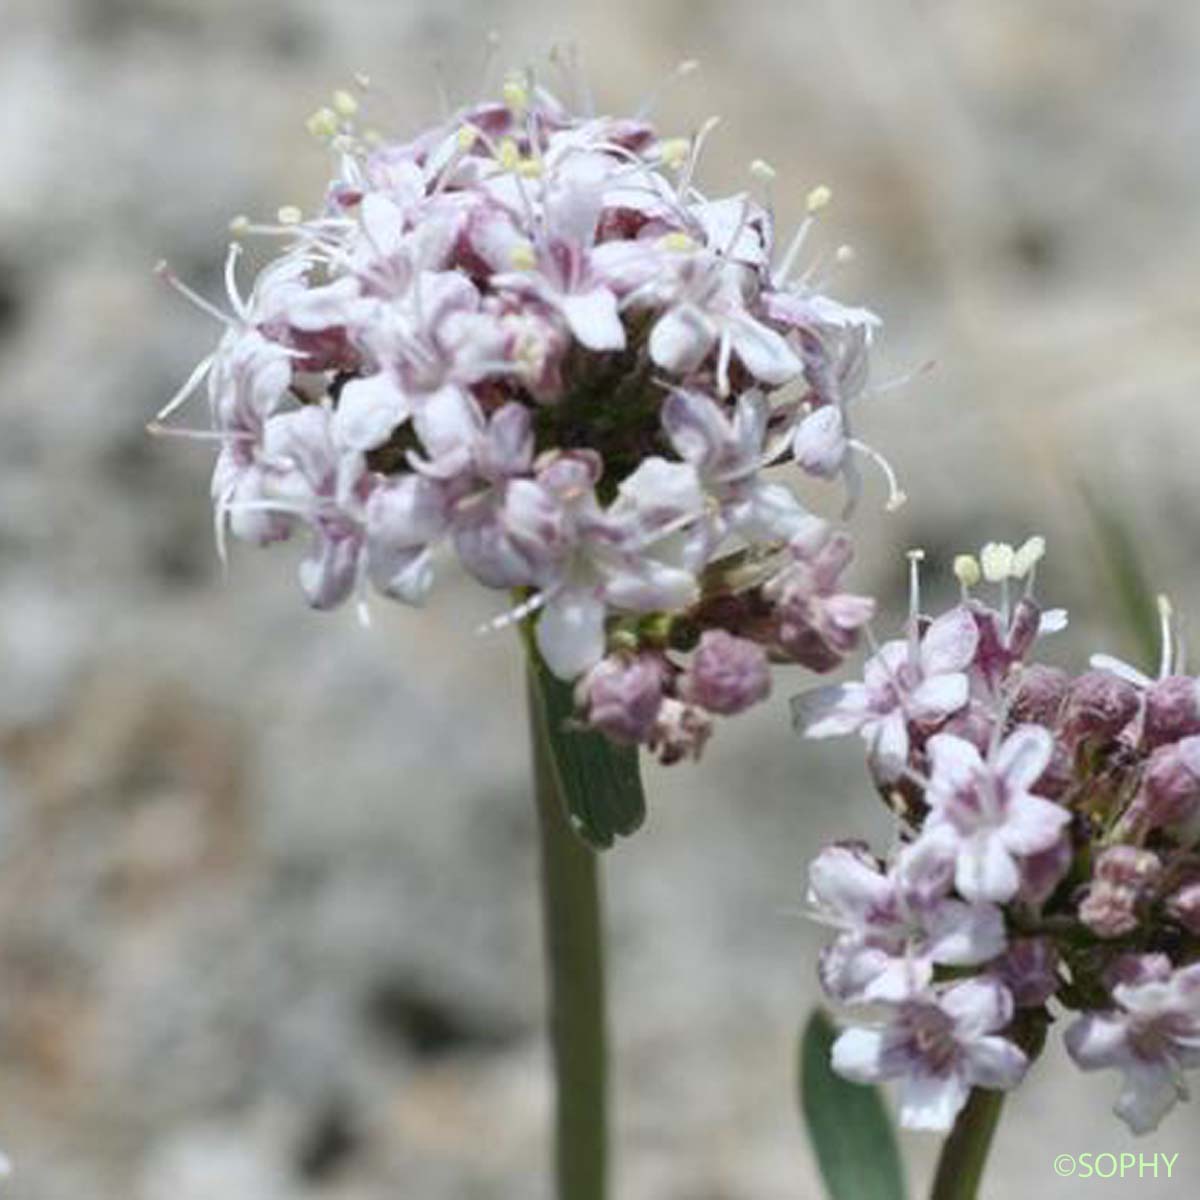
1047 858
526 334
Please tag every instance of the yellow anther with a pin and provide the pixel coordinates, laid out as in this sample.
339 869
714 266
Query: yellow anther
516 93
373 137
529 168
522 257
323 123
996 558
818 198
466 137
344 103
677 242
761 169
966 570
289 214
240 225
1028 556
915 555
1165 609
675 152
508 155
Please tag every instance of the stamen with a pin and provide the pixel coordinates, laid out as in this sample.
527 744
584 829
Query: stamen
1027 557
164 272
323 124
1165 614
967 572
685 180
897 496
817 199
689 66
514 616
915 558
199 371
344 103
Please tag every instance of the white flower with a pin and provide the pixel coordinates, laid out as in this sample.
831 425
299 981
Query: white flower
983 812
1150 1036
937 1047
894 928
917 681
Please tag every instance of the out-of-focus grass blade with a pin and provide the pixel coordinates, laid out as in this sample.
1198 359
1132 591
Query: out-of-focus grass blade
600 782
1131 589
850 1130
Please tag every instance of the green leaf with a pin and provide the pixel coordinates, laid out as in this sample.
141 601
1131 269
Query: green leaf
848 1126
599 781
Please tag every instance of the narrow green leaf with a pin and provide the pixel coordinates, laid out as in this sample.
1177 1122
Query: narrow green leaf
600 782
848 1126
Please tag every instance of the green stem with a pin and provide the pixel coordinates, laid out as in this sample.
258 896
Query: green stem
964 1154
575 971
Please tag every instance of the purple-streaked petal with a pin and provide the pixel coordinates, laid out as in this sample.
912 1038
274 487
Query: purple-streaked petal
950 642
1023 756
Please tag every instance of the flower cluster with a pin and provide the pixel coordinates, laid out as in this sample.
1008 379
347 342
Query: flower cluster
528 335
1046 860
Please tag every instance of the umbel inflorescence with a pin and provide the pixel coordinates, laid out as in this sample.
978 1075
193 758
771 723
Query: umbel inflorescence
1046 861
527 334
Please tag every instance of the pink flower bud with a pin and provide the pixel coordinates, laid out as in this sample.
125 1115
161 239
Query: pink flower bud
1100 705
1039 695
680 732
1127 866
727 674
1172 710
1170 791
1123 873
1029 969
1184 907
621 696
1108 910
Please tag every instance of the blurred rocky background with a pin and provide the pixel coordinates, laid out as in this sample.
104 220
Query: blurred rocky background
268 923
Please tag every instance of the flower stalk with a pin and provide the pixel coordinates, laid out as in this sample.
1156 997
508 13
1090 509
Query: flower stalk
965 1151
575 974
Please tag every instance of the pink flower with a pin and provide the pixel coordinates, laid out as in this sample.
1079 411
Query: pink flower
983 812
895 927
907 684
938 1047
1151 1035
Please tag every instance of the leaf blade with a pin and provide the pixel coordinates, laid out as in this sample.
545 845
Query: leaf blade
600 782
847 1124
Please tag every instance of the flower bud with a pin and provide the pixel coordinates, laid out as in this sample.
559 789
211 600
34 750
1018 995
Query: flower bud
1172 710
1123 873
1184 907
680 732
727 674
1127 866
621 696
1100 705
1023 630
1039 695
1108 910
1029 969
1170 792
